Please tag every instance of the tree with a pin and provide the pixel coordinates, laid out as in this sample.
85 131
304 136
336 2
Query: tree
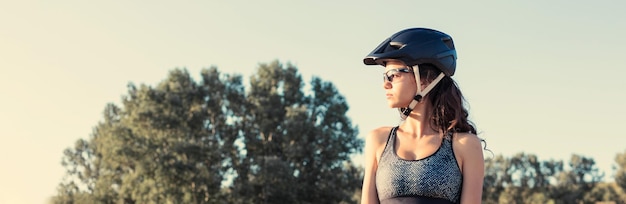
295 138
620 175
523 178
212 142
572 185
163 146
496 179
604 192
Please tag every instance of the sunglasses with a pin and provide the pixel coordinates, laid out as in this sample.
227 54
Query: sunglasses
392 73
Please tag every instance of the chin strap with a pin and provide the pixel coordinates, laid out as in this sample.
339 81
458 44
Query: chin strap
404 112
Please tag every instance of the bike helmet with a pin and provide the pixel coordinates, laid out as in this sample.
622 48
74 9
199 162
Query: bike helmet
416 46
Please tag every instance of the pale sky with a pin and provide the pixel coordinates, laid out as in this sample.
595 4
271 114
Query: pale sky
541 77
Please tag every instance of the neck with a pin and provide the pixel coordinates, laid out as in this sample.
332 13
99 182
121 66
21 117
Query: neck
418 123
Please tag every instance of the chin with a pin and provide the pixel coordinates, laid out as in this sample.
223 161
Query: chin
393 105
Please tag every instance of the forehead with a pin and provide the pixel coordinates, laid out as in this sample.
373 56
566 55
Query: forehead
393 63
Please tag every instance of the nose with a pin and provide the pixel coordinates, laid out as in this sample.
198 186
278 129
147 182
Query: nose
386 84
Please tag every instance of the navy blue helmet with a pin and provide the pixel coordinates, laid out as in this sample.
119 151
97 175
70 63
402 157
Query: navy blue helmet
415 46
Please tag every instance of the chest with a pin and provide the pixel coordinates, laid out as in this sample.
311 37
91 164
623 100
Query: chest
436 175
411 148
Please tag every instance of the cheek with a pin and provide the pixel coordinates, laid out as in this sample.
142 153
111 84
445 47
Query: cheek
408 90
406 95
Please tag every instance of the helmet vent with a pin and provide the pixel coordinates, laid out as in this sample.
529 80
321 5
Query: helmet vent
448 42
396 45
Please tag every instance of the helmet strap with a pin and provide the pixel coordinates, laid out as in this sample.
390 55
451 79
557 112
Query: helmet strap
404 112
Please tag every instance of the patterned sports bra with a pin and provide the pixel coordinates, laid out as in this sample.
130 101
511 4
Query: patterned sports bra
433 179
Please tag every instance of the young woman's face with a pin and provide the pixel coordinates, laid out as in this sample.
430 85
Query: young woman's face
401 89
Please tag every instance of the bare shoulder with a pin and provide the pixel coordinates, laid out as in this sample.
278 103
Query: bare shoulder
467 143
379 135
376 140
468 150
466 138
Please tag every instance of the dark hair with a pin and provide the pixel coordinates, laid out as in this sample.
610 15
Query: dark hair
447 102
448 105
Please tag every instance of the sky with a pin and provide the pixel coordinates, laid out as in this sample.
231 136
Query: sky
540 77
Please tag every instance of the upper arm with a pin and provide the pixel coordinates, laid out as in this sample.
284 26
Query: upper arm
468 149
374 144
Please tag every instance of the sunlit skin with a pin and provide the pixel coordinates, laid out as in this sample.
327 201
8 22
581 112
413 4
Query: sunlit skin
416 139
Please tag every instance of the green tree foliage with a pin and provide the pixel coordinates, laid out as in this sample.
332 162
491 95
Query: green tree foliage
496 178
519 179
582 177
523 178
607 192
304 136
212 142
620 175
158 148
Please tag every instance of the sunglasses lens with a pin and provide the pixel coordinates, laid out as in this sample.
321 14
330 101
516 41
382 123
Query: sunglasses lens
388 78
390 74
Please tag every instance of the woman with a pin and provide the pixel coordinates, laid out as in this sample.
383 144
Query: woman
434 155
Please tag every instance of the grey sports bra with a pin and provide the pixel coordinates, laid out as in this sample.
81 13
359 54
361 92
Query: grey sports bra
433 179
